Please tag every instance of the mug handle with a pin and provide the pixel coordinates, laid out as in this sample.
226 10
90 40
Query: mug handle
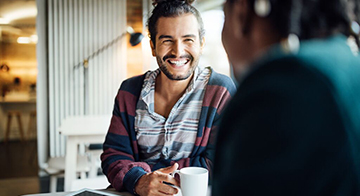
175 172
173 175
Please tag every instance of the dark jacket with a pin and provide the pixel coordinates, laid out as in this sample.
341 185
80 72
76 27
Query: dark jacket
293 127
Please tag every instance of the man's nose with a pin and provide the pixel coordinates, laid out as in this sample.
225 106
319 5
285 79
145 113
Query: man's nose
177 49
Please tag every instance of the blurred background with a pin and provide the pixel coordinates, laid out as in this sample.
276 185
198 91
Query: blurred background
65 58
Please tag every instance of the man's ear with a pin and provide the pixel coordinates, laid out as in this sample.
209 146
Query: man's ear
202 44
152 48
242 17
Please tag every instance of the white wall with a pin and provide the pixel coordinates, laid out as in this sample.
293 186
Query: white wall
70 31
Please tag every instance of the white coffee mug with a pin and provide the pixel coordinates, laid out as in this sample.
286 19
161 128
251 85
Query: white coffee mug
193 181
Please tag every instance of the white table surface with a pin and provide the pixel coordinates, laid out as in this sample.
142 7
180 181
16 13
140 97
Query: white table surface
112 191
80 130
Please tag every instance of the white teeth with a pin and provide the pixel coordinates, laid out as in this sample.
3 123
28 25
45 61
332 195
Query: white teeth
178 63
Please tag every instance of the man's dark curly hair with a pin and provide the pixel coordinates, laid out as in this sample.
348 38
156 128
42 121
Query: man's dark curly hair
313 18
173 8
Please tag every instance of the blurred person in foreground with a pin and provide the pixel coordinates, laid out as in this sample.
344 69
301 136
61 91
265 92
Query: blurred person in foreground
293 127
165 119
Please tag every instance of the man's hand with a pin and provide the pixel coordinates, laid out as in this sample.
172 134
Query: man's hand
152 183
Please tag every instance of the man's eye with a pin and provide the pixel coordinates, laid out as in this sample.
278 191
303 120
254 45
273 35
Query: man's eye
167 41
189 40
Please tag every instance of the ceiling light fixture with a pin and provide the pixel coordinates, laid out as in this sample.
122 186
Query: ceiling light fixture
27 40
23 40
34 38
4 21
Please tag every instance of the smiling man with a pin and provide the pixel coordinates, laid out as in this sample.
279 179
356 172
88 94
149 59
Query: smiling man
166 119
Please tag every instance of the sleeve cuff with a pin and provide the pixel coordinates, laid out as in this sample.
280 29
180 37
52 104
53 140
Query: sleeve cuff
131 178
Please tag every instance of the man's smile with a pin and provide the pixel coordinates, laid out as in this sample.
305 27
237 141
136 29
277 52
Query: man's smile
178 62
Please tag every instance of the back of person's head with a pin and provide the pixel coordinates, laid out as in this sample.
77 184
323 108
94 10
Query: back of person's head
172 8
312 18
321 18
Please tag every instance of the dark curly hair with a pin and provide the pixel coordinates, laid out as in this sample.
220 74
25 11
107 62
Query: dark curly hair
172 8
160 1
313 18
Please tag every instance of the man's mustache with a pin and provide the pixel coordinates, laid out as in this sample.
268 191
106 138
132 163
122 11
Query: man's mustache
173 56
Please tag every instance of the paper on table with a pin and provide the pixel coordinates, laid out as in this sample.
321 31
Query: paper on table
208 192
90 192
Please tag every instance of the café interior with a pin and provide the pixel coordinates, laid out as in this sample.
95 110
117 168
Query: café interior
61 63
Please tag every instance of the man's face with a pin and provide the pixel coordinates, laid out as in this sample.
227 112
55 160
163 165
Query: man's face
178 47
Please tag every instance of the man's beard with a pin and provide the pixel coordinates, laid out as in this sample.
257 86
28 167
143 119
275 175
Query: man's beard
164 69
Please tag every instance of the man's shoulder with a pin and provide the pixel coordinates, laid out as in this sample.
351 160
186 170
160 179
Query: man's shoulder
135 79
133 84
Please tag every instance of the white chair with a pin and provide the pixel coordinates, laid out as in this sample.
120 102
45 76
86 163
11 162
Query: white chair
94 151
80 131
93 180
56 166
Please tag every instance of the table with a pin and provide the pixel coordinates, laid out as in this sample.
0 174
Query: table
80 130
111 190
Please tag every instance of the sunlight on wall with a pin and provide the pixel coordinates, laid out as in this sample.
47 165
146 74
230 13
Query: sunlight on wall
214 53
151 63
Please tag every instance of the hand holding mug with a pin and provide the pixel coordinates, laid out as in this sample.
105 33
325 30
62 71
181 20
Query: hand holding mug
152 183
